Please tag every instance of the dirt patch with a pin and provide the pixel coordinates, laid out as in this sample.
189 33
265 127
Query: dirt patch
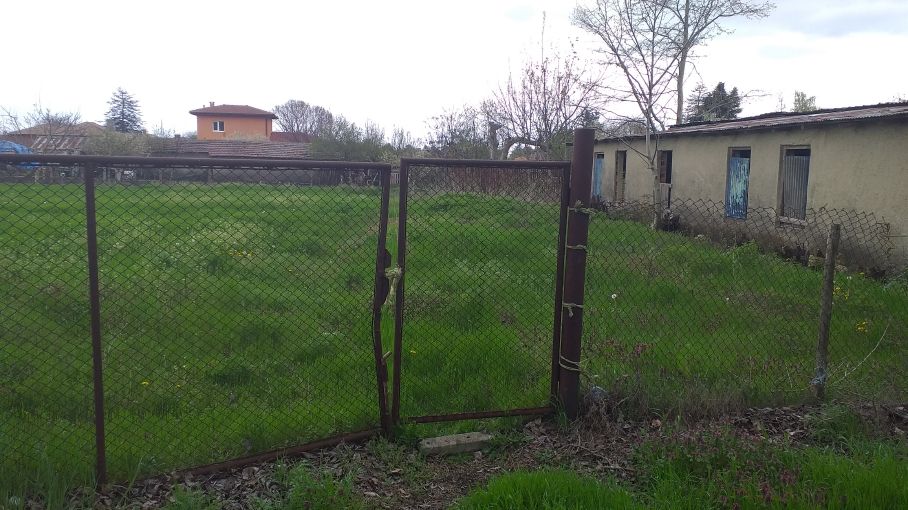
389 475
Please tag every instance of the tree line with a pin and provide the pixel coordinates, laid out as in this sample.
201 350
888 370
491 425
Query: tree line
636 86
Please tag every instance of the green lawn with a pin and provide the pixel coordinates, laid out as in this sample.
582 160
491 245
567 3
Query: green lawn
237 318
725 472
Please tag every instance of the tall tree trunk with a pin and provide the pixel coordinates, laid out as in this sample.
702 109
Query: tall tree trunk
682 61
679 111
657 188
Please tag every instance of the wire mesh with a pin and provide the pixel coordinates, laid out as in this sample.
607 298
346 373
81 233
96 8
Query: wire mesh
715 313
480 273
236 313
46 410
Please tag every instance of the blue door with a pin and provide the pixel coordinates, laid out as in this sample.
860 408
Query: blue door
736 184
597 177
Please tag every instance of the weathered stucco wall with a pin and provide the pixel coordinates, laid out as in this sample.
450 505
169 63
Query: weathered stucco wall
861 166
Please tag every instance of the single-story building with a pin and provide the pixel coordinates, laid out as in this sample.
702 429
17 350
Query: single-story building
54 138
844 159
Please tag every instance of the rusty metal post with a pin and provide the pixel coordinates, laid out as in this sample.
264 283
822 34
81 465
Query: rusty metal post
94 303
832 250
381 291
575 271
559 280
399 300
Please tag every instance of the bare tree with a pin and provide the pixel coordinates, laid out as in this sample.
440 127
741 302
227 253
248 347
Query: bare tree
459 133
300 117
539 108
41 129
697 21
51 127
639 40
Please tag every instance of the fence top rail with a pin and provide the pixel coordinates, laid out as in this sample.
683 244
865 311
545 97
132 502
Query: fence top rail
188 162
484 163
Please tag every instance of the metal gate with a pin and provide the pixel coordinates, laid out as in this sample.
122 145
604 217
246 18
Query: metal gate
227 317
480 247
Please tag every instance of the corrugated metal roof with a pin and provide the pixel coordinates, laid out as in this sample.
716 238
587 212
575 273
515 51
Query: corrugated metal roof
786 120
235 148
233 110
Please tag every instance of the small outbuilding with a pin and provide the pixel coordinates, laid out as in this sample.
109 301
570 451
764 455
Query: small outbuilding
853 159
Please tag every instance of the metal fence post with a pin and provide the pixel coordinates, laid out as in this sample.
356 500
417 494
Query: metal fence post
382 260
575 271
832 250
399 298
559 281
94 302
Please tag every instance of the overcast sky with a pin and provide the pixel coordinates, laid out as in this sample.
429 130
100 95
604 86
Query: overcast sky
398 62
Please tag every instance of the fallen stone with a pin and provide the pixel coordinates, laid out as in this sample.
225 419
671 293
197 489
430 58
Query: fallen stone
456 443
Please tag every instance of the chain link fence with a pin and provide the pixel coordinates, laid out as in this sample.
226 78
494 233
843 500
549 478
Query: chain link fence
480 248
236 304
46 409
240 306
715 313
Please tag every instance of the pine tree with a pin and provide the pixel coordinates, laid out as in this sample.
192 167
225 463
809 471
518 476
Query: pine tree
715 105
124 115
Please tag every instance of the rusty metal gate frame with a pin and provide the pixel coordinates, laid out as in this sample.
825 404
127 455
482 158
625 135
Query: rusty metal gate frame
400 302
89 166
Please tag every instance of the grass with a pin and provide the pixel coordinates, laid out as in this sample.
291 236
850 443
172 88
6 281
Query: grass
812 479
237 319
676 325
720 470
546 490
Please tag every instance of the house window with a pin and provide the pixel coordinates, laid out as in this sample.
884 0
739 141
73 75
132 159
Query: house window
620 175
217 126
793 177
736 182
597 177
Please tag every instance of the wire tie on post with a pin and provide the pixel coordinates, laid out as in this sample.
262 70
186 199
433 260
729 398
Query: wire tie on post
570 308
578 208
393 274
569 364
577 247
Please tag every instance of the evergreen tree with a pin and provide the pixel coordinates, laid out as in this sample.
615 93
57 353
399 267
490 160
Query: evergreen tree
718 104
124 115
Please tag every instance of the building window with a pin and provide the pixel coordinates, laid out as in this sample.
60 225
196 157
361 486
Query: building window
217 126
736 182
793 177
620 175
597 177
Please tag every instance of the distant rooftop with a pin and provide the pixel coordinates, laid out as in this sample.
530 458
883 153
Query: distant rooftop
234 149
233 110
81 129
786 120
56 138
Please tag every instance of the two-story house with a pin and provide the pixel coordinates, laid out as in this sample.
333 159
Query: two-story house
232 122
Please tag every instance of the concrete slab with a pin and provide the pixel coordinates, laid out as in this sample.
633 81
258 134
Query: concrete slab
456 443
